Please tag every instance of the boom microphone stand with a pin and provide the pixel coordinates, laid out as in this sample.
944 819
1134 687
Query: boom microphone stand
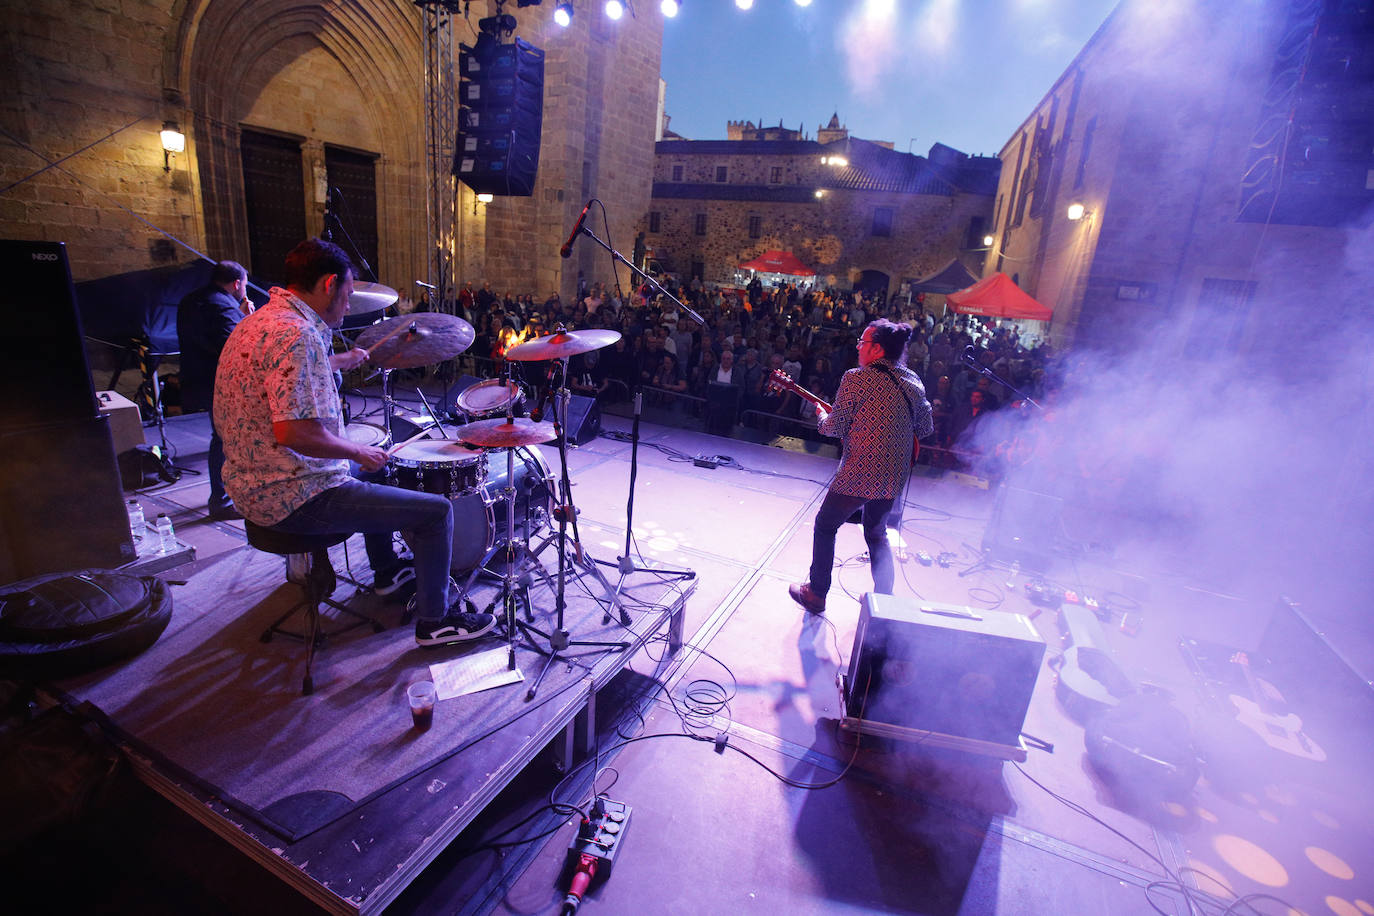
626 564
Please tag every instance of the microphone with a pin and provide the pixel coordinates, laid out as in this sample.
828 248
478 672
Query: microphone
971 354
566 250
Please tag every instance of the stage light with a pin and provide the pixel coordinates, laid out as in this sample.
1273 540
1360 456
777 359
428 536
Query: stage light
173 142
1076 212
669 8
615 9
745 4
803 2
563 13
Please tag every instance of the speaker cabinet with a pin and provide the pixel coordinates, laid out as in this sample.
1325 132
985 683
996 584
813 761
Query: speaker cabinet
61 507
500 119
943 668
47 379
584 420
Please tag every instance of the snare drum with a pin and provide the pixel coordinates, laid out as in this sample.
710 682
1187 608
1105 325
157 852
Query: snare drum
489 398
479 518
443 466
367 434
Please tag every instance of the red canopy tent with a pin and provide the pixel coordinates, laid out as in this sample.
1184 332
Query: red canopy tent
997 297
779 262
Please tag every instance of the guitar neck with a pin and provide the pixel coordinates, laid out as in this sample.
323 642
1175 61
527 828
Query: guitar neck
780 379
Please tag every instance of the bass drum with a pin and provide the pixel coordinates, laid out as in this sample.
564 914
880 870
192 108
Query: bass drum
479 518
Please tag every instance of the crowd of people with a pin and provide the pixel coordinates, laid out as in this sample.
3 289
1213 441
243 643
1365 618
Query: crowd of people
750 333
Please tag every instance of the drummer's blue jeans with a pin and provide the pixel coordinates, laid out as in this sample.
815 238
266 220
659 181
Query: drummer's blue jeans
425 520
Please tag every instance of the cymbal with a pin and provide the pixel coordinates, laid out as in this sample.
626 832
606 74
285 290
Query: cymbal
418 339
498 433
370 297
563 344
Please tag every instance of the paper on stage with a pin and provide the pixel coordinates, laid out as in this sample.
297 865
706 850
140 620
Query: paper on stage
473 673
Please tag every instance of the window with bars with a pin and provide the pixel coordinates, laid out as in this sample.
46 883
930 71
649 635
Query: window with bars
655 221
755 226
677 173
700 224
722 173
775 175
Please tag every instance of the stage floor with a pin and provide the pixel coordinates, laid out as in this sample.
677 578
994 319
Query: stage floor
369 814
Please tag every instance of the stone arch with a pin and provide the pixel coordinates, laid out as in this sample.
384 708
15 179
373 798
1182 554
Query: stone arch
873 280
214 66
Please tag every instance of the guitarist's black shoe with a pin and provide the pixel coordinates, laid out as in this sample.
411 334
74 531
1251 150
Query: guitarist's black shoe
803 595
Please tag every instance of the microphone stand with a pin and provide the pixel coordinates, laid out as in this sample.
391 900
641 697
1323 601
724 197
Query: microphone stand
971 360
626 564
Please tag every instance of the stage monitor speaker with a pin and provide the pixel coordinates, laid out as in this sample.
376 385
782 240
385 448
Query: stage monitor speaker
62 507
943 668
584 420
1023 527
47 379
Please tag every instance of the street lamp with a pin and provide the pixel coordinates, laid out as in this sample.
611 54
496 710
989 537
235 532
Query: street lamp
1076 212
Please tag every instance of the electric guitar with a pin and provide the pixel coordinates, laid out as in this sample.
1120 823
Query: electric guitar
1281 731
781 381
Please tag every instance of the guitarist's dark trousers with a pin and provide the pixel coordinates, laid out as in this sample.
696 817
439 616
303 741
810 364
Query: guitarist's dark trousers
835 509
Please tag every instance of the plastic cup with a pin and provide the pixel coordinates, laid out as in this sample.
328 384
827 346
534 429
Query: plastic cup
422 696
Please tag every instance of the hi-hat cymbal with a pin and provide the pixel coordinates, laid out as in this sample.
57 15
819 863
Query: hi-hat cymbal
415 340
370 297
562 344
498 433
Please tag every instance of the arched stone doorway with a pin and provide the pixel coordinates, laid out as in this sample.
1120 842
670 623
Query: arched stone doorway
345 76
873 282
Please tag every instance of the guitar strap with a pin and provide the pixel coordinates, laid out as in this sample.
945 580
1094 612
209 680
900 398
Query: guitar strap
892 377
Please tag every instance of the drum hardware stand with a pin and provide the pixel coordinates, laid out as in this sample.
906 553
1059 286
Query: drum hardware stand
560 639
168 470
626 564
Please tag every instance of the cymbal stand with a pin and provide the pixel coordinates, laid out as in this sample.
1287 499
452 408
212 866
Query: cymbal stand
560 639
626 564
514 586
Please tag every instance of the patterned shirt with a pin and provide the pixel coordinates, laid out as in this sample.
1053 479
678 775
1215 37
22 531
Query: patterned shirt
275 367
873 419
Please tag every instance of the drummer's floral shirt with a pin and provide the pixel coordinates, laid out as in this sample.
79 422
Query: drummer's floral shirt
275 366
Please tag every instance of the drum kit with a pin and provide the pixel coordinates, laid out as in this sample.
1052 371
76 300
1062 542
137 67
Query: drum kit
458 467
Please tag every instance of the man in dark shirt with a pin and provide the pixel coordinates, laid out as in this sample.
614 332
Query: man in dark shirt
879 412
205 318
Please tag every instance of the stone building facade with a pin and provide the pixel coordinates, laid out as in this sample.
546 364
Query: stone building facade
1169 130
95 80
856 212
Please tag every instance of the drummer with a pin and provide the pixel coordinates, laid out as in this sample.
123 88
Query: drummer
286 456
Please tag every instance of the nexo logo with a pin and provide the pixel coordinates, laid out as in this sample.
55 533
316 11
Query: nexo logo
44 256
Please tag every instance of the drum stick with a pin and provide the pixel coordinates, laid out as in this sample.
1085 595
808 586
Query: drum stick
420 435
406 326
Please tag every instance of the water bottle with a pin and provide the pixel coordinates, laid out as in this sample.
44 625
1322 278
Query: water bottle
1011 576
167 542
137 523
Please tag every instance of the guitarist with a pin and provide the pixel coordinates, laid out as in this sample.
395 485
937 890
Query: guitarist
879 412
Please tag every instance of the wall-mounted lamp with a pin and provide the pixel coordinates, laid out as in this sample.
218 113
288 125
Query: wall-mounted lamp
563 13
1076 212
987 241
820 192
483 198
173 142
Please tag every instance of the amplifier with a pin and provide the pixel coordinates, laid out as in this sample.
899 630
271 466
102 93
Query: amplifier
126 425
943 668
